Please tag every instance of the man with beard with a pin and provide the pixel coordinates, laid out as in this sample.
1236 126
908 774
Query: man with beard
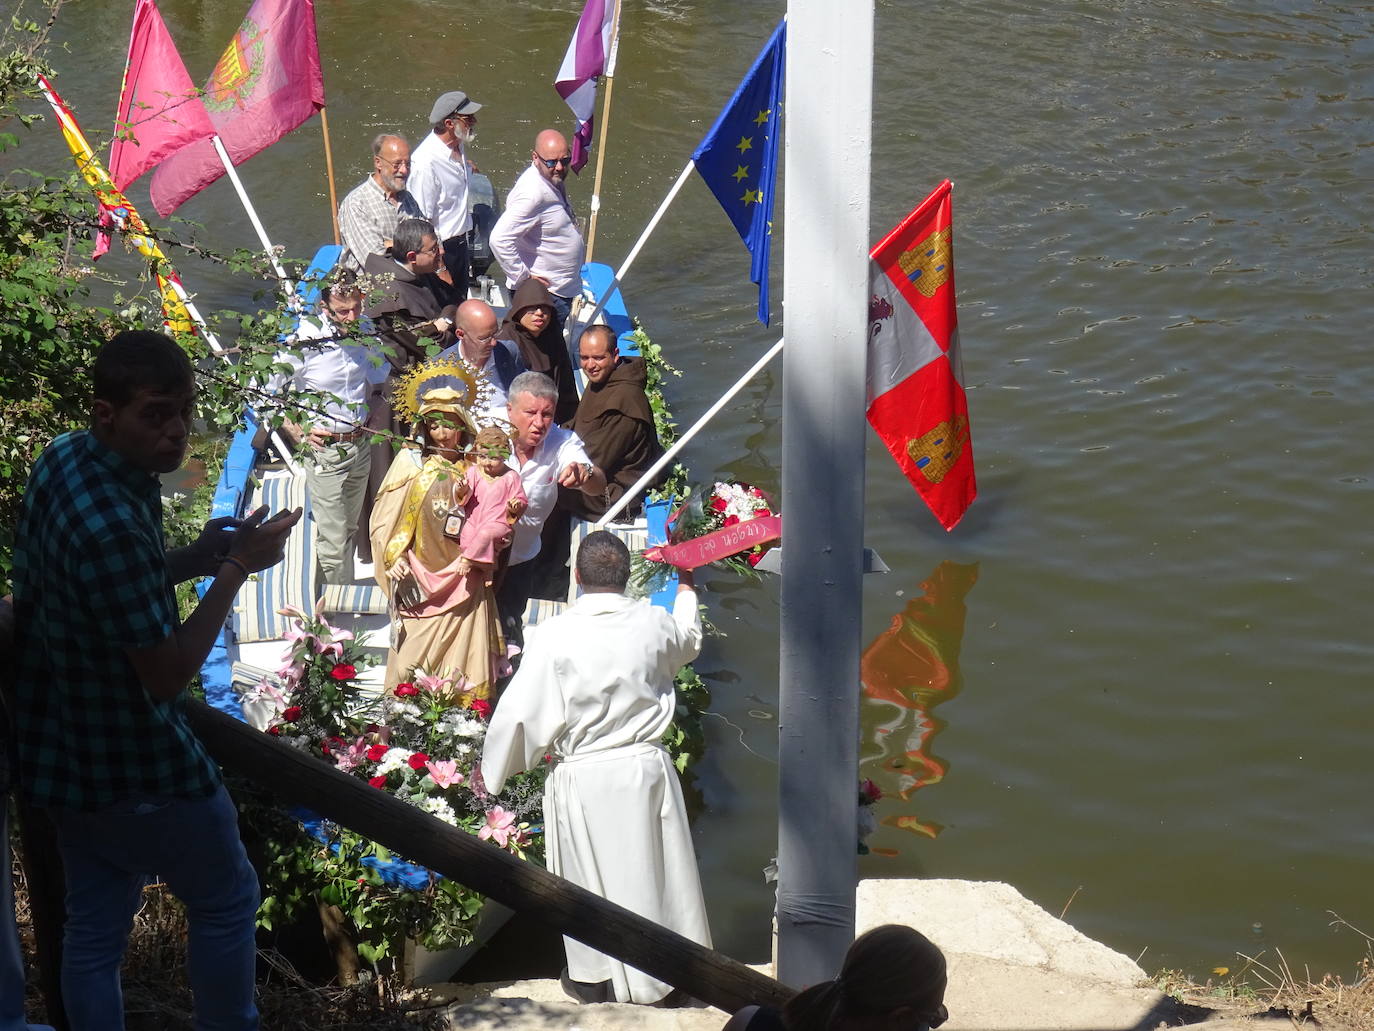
614 422
537 235
439 179
369 214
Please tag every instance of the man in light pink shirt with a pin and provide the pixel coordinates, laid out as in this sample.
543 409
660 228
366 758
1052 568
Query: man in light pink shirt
537 234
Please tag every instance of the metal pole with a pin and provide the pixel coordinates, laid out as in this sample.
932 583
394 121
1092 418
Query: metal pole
288 287
681 441
825 301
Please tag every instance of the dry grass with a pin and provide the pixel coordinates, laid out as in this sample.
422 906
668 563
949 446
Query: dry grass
157 997
1274 988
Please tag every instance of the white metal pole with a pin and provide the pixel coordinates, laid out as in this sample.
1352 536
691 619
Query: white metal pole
639 245
681 441
288 287
825 304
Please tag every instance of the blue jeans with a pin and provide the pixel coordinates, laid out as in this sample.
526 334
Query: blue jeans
194 847
562 307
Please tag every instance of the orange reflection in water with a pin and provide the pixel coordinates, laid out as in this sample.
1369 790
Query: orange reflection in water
913 665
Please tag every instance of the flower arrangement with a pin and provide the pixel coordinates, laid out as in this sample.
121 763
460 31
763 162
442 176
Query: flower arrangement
730 528
421 743
869 793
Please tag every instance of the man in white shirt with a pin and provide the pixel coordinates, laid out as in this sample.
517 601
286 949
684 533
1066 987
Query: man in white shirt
595 688
334 360
498 360
439 179
368 215
547 457
537 235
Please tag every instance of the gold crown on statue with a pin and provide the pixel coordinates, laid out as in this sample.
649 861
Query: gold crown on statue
441 384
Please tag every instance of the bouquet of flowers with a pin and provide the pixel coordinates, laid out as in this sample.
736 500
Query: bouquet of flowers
421 743
731 527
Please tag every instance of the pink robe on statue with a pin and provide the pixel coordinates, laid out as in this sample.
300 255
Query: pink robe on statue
488 528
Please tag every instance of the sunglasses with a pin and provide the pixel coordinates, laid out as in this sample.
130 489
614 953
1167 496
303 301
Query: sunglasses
552 163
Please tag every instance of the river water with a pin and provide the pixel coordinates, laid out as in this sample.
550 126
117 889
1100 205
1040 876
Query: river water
1135 681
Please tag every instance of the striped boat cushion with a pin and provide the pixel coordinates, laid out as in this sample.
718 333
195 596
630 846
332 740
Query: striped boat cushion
292 580
635 535
364 598
539 609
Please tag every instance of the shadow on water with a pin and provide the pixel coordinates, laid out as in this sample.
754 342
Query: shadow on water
908 670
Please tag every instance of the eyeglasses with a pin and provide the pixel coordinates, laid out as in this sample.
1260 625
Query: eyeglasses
469 119
552 163
433 248
395 166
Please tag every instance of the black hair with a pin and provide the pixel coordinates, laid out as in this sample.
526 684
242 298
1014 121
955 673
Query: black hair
409 237
139 359
603 561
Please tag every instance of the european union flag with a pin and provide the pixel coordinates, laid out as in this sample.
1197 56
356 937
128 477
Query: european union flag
739 157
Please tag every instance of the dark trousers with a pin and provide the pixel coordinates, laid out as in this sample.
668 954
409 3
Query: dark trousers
456 261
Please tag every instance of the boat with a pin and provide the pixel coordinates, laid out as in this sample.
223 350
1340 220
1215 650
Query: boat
252 644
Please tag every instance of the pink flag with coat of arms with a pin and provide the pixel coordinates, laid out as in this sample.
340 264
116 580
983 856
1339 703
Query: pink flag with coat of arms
916 400
583 64
160 110
267 82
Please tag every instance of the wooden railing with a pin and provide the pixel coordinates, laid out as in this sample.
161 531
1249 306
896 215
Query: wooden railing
295 778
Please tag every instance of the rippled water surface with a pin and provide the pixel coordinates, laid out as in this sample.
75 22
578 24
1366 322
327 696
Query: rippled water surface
1137 676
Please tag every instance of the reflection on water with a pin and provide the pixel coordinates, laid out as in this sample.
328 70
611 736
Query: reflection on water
912 667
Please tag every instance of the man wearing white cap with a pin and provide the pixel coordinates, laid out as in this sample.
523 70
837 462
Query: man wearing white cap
439 179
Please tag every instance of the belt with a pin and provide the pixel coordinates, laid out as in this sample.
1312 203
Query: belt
619 752
351 435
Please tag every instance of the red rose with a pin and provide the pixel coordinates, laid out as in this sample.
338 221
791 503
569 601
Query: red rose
343 671
754 556
730 520
274 731
718 504
292 714
376 752
406 690
377 782
324 747
482 707
869 792
417 761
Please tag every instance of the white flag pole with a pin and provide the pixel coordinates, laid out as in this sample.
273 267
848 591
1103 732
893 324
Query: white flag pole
288 287
681 441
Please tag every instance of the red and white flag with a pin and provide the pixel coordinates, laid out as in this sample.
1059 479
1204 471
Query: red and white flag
583 64
267 82
160 109
916 401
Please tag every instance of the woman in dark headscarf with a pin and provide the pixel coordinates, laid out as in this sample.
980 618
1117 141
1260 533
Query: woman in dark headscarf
531 325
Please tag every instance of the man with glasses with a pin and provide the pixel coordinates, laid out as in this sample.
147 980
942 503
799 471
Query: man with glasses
439 179
498 360
369 214
537 235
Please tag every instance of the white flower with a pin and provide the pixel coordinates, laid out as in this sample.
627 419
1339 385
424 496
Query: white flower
395 759
436 806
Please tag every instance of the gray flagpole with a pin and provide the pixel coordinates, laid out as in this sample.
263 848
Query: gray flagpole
829 103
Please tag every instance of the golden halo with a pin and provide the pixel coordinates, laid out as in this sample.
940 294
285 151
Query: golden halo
453 373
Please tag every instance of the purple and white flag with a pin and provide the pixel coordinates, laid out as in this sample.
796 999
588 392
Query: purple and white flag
582 65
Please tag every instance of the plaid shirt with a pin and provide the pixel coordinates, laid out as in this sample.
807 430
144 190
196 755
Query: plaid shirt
90 579
367 220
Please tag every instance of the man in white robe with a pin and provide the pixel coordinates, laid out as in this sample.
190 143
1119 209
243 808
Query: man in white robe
596 690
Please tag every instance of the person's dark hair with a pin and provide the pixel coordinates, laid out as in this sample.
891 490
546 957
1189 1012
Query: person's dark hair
343 283
139 359
410 236
888 968
602 330
603 561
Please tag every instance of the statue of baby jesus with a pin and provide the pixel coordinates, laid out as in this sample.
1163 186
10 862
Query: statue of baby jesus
495 500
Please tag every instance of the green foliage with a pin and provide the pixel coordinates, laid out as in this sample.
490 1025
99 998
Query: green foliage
686 739
656 367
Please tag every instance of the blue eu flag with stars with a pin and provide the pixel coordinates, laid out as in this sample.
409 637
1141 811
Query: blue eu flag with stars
739 157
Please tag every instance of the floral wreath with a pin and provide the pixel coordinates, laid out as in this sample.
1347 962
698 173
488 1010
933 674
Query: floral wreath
467 384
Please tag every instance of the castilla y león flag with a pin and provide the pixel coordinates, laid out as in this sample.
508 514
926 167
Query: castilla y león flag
267 82
916 401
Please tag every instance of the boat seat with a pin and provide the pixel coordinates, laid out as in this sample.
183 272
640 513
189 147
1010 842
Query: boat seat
366 599
289 582
539 609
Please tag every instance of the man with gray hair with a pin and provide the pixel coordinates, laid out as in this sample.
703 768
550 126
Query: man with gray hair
595 689
547 457
439 179
368 215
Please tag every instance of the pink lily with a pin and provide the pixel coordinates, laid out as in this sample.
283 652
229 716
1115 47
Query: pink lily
444 771
499 827
291 671
355 754
432 682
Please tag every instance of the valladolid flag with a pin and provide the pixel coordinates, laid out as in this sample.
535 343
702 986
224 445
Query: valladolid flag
738 159
160 109
916 401
267 82
117 212
583 64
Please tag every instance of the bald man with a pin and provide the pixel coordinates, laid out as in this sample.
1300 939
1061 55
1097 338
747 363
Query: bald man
537 235
499 360
369 214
